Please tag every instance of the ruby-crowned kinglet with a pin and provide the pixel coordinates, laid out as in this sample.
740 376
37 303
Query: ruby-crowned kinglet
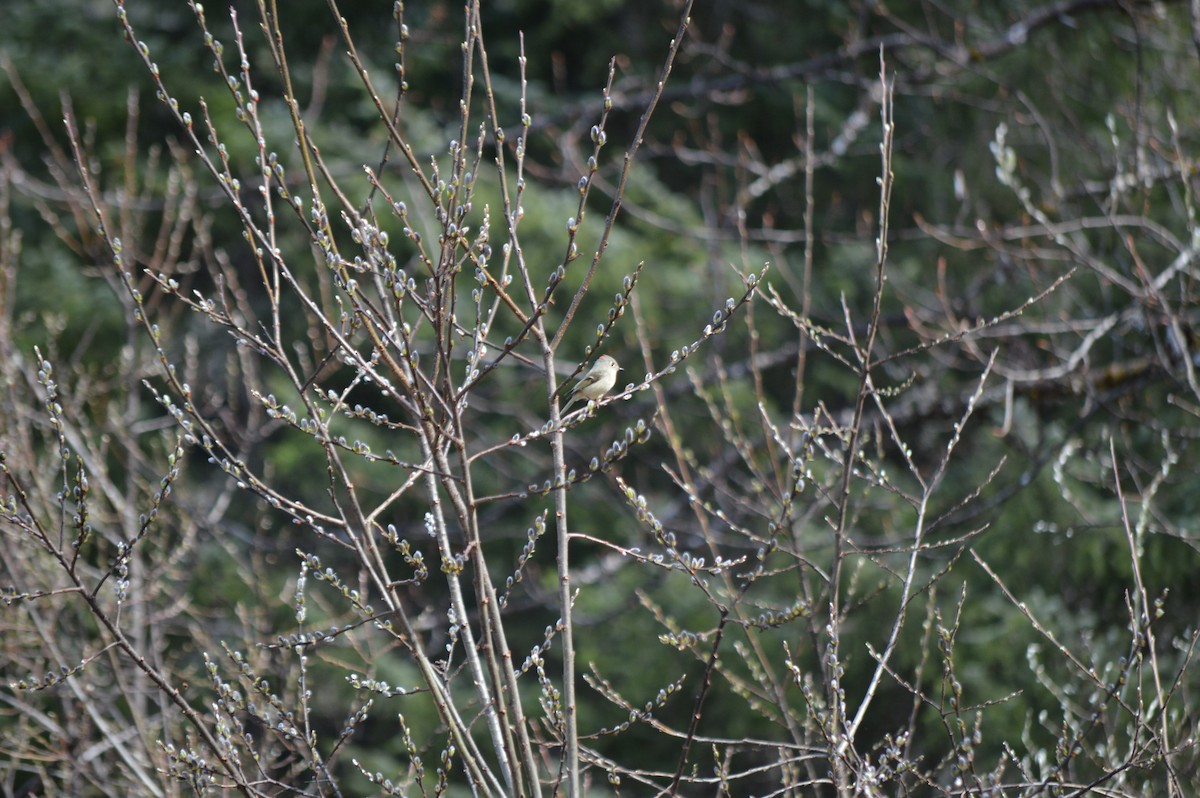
598 381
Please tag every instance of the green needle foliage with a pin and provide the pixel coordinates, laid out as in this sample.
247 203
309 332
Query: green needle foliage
894 494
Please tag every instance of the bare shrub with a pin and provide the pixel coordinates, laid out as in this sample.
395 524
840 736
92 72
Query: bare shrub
315 524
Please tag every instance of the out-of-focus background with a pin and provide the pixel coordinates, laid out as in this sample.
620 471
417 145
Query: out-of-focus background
1014 532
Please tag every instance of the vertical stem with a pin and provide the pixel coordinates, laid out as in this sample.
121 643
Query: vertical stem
840 737
570 708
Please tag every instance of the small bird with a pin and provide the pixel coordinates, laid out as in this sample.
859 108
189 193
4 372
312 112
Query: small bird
598 381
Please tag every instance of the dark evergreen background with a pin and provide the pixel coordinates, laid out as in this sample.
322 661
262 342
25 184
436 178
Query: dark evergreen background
1089 94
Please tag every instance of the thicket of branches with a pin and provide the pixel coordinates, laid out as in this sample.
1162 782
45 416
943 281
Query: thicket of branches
895 495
